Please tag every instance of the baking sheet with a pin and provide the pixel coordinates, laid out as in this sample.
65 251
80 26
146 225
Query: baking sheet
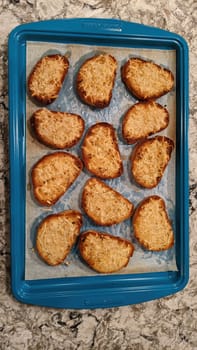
142 261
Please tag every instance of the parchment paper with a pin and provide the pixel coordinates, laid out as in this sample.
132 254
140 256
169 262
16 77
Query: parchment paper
142 261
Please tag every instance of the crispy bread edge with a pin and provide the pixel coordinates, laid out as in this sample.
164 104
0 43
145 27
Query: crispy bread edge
117 193
35 126
81 92
37 97
136 213
33 177
126 117
64 213
113 135
133 155
136 93
104 234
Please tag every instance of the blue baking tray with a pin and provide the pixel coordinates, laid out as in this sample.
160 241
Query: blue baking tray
93 291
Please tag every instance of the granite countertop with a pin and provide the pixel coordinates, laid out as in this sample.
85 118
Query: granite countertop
168 323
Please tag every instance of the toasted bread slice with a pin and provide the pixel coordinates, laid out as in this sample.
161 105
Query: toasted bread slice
146 80
46 78
144 119
57 129
101 153
151 224
103 204
95 80
103 252
57 234
149 160
53 174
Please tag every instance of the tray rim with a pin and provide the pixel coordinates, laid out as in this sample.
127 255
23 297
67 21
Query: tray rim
34 292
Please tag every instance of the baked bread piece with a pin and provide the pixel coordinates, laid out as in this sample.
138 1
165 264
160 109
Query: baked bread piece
103 252
146 80
57 234
104 205
144 119
53 174
57 129
95 80
101 153
149 160
46 78
151 224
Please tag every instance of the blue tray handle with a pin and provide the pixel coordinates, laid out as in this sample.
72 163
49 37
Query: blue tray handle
100 26
96 294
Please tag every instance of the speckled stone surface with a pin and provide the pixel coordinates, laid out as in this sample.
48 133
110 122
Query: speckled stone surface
169 323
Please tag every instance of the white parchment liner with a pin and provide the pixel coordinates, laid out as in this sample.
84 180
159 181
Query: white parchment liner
142 261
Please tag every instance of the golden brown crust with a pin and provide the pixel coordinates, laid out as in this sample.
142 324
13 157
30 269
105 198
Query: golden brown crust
103 204
144 119
101 153
53 174
152 227
46 78
57 234
95 80
103 252
146 80
57 129
149 160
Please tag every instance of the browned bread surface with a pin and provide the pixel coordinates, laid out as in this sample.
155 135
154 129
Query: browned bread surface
151 224
101 153
56 236
53 174
149 160
103 252
104 205
146 80
46 78
144 119
57 129
95 80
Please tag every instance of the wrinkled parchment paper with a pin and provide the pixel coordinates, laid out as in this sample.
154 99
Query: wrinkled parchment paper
142 261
